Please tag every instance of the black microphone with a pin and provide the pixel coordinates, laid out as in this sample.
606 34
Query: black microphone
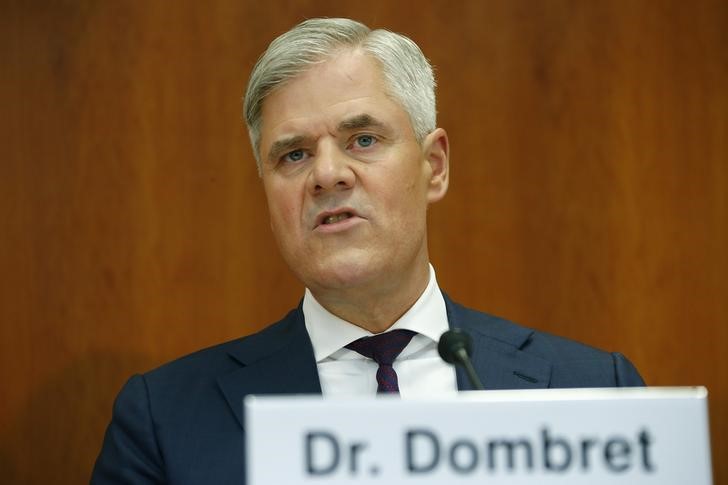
455 347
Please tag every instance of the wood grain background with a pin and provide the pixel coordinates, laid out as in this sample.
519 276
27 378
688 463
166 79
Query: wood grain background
588 196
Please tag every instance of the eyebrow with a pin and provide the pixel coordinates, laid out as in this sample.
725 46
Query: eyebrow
360 121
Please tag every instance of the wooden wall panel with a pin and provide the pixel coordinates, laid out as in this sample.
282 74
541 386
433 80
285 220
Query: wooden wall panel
588 195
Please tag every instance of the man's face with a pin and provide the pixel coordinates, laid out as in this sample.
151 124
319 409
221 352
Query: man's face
346 181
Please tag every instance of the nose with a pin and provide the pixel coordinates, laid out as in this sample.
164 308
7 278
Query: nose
331 170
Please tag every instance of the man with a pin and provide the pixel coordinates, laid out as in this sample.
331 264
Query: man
342 121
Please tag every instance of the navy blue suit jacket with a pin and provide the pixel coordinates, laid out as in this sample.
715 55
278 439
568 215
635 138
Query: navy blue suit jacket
182 423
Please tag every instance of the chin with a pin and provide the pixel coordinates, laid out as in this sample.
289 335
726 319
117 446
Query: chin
341 275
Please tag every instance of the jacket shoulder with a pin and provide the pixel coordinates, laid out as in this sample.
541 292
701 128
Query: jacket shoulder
573 363
210 362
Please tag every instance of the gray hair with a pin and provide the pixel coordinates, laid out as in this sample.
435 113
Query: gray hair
407 73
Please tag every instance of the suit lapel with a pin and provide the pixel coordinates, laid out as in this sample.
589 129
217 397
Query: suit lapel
498 357
278 360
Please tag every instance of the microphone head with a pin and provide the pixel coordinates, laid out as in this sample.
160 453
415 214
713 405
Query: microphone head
453 342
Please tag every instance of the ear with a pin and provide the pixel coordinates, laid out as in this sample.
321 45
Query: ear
436 150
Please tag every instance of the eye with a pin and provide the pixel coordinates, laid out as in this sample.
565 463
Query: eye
294 156
365 141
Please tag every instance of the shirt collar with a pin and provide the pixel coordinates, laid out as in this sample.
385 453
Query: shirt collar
330 333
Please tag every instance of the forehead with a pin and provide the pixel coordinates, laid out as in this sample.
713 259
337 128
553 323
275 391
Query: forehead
347 84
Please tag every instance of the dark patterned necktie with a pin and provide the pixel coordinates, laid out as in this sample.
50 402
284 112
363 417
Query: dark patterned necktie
383 349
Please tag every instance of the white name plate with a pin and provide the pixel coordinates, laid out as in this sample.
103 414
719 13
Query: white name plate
573 436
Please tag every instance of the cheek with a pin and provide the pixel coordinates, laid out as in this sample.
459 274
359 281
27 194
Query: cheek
282 197
282 210
401 194
413 189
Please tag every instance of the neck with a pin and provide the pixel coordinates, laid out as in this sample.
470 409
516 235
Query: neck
376 307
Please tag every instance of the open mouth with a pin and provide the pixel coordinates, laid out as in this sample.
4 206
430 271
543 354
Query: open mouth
334 218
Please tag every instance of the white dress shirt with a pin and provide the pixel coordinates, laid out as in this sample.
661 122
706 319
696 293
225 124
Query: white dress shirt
420 370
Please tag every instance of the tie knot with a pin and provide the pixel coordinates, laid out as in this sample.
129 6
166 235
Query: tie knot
383 348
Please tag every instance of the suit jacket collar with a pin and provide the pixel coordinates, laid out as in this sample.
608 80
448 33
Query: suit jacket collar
277 360
280 359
